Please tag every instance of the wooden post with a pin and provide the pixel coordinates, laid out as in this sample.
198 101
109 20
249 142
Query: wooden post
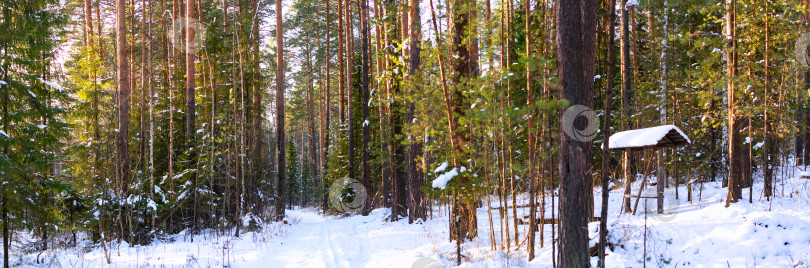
628 177
643 183
661 181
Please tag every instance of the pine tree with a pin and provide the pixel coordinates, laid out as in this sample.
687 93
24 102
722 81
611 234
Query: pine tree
32 120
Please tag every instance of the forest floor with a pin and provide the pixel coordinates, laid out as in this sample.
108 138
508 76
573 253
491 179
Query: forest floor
702 233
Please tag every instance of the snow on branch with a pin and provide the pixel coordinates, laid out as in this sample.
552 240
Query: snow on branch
441 181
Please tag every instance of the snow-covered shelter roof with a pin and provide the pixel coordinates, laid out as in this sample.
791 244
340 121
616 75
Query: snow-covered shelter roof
660 136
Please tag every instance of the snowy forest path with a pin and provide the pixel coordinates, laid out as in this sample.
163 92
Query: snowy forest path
317 241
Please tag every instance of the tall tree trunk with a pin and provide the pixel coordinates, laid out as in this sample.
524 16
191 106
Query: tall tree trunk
257 131
365 32
328 107
415 176
190 71
631 13
88 24
396 151
281 168
473 39
6 99
576 31
447 102
94 105
663 82
627 90
341 69
611 65
804 119
144 82
766 166
100 24
530 131
735 172
663 179
463 223
350 88
235 115
122 50
171 60
491 65
384 134
349 45
507 54
313 155
546 119
802 115
151 124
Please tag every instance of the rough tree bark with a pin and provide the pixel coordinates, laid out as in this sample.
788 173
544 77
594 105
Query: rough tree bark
381 65
463 223
313 149
144 82
151 124
341 75
399 205
611 64
123 83
190 71
576 30
281 168
6 99
365 87
734 174
257 146
171 59
350 88
415 175
325 127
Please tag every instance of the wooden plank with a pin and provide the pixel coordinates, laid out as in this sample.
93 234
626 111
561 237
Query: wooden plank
636 196
508 206
550 221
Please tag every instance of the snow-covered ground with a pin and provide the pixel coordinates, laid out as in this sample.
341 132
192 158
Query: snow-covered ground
702 233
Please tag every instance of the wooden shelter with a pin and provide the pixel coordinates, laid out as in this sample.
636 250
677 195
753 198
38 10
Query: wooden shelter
656 138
